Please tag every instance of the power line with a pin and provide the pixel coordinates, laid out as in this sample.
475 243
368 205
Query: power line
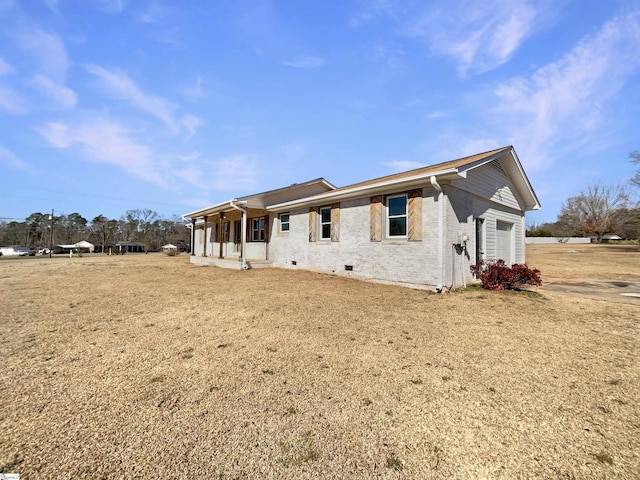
82 195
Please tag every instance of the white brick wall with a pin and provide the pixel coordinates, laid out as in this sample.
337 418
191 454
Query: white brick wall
398 261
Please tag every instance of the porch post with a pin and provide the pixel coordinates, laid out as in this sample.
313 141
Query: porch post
244 239
204 246
221 234
193 236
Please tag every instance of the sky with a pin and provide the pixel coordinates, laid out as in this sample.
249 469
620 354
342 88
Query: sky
111 105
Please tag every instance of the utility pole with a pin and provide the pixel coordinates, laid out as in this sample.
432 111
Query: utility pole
51 233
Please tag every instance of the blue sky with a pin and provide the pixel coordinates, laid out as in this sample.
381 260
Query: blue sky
109 105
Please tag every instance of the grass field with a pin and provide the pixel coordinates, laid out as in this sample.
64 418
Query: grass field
144 366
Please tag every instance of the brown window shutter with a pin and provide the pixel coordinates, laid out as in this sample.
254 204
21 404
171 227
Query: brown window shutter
312 224
335 222
415 215
375 214
266 228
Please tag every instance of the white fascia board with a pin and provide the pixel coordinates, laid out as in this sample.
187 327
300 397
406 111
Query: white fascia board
462 171
208 210
371 189
525 184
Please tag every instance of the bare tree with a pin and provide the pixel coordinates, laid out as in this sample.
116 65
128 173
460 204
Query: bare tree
103 230
635 158
594 212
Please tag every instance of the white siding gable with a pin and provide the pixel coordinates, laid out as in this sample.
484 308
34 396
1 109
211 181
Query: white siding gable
492 183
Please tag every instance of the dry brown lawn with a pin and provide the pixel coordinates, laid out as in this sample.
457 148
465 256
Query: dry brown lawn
145 366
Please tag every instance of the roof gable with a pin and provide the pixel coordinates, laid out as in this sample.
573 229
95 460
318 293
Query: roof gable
453 169
264 199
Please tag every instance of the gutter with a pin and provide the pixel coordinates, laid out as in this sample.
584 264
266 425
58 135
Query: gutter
370 189
436 185
232 204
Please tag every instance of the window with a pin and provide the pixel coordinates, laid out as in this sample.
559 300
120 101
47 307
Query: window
257 229
284 222
397 216
325 222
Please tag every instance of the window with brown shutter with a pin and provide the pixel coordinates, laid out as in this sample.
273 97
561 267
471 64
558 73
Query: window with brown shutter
324 214
396 213
312 224
415 215
375 218
335 222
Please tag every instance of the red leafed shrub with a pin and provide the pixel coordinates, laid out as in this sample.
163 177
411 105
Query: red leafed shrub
497 275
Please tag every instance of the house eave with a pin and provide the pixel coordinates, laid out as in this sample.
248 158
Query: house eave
211 210
258 201
388 186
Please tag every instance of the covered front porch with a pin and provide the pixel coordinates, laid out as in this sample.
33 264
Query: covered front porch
236 233
231 235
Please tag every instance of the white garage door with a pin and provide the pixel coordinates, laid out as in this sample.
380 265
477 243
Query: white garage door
504 241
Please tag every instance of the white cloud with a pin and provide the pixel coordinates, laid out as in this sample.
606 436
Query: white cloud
478 36
563 104
5 68
393 57
196 90
403 165
10 160
305 62
191 123
48 50
52 5
119 85
436 115
11 101
190 174
234 174
195 202
110 6
56 134
191 157
153 14
295 152
104 141
62 95
372 9
473 147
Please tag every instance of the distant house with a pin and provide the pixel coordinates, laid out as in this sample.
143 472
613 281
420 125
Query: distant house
132 247
420 228
610 236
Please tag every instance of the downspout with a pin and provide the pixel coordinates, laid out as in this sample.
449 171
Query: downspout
192 226
436 185
244 232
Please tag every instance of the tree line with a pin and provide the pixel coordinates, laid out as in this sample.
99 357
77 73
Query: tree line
597 211
42 230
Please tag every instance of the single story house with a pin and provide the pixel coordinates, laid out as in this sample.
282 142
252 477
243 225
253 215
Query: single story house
82 246
120 247
421 228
